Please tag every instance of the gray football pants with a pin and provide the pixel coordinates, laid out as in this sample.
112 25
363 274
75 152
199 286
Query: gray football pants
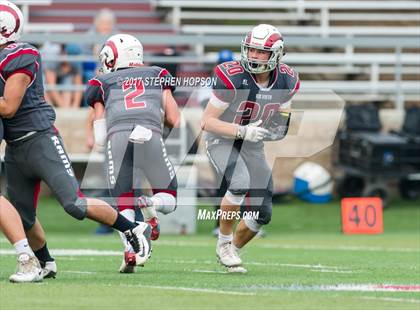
245 171
41 157
126 162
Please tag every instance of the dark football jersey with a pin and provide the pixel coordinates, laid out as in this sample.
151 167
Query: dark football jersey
244 100
131 96
34 113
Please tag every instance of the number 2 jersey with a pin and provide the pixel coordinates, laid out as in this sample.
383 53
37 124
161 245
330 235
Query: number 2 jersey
244 101
131 96
34 113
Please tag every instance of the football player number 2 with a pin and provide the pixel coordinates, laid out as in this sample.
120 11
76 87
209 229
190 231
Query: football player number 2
362 215
133 93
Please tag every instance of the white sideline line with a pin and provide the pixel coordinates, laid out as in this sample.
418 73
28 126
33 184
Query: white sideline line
415 301
91 252
340 288
193 289
336 248
332 271
208 271
296 247
278 246
77 271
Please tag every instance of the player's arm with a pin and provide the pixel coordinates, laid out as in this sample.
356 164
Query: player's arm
210 122
172 114
14 90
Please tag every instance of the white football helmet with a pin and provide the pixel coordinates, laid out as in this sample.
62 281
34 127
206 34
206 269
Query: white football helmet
121 51
11 22
263 37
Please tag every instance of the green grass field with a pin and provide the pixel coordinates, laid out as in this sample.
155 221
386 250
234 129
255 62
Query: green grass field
303 263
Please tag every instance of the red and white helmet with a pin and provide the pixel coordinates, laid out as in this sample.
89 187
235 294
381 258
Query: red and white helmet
264 37
11 22
121 51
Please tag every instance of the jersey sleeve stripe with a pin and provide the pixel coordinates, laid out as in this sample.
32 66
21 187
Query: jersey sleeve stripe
97 83
224 78
295 88
25 71
19 52
163 73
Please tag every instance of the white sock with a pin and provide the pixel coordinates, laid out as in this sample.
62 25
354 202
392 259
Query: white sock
130 215
22 246
148 213
164 203
224 238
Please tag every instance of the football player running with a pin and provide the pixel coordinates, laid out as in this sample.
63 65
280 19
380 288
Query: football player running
248 98
35 151
131 101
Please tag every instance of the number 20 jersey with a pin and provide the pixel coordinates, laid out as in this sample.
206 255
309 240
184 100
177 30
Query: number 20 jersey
244 101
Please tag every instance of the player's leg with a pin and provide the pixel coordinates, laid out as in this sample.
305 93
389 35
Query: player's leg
119 172
235 171
51 163
23 189
153 160
258 212
28 268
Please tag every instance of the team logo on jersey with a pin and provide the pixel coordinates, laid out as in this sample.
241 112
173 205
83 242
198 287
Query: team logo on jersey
245 82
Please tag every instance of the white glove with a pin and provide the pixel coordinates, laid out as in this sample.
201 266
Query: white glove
252 132
99 131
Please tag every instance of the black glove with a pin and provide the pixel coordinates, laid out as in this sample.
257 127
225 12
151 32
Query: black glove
277 125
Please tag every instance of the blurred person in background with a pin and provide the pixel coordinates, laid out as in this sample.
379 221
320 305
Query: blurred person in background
103 25
63 73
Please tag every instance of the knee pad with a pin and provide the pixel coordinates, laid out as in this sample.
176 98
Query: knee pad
235 197
252 224
77 209
166 202
264 215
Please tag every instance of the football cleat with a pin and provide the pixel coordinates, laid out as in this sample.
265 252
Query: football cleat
139 239
49 270
227 256
155 228
128 263
28 270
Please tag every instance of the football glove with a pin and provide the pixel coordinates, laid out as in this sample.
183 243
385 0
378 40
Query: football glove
252 132
277 126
